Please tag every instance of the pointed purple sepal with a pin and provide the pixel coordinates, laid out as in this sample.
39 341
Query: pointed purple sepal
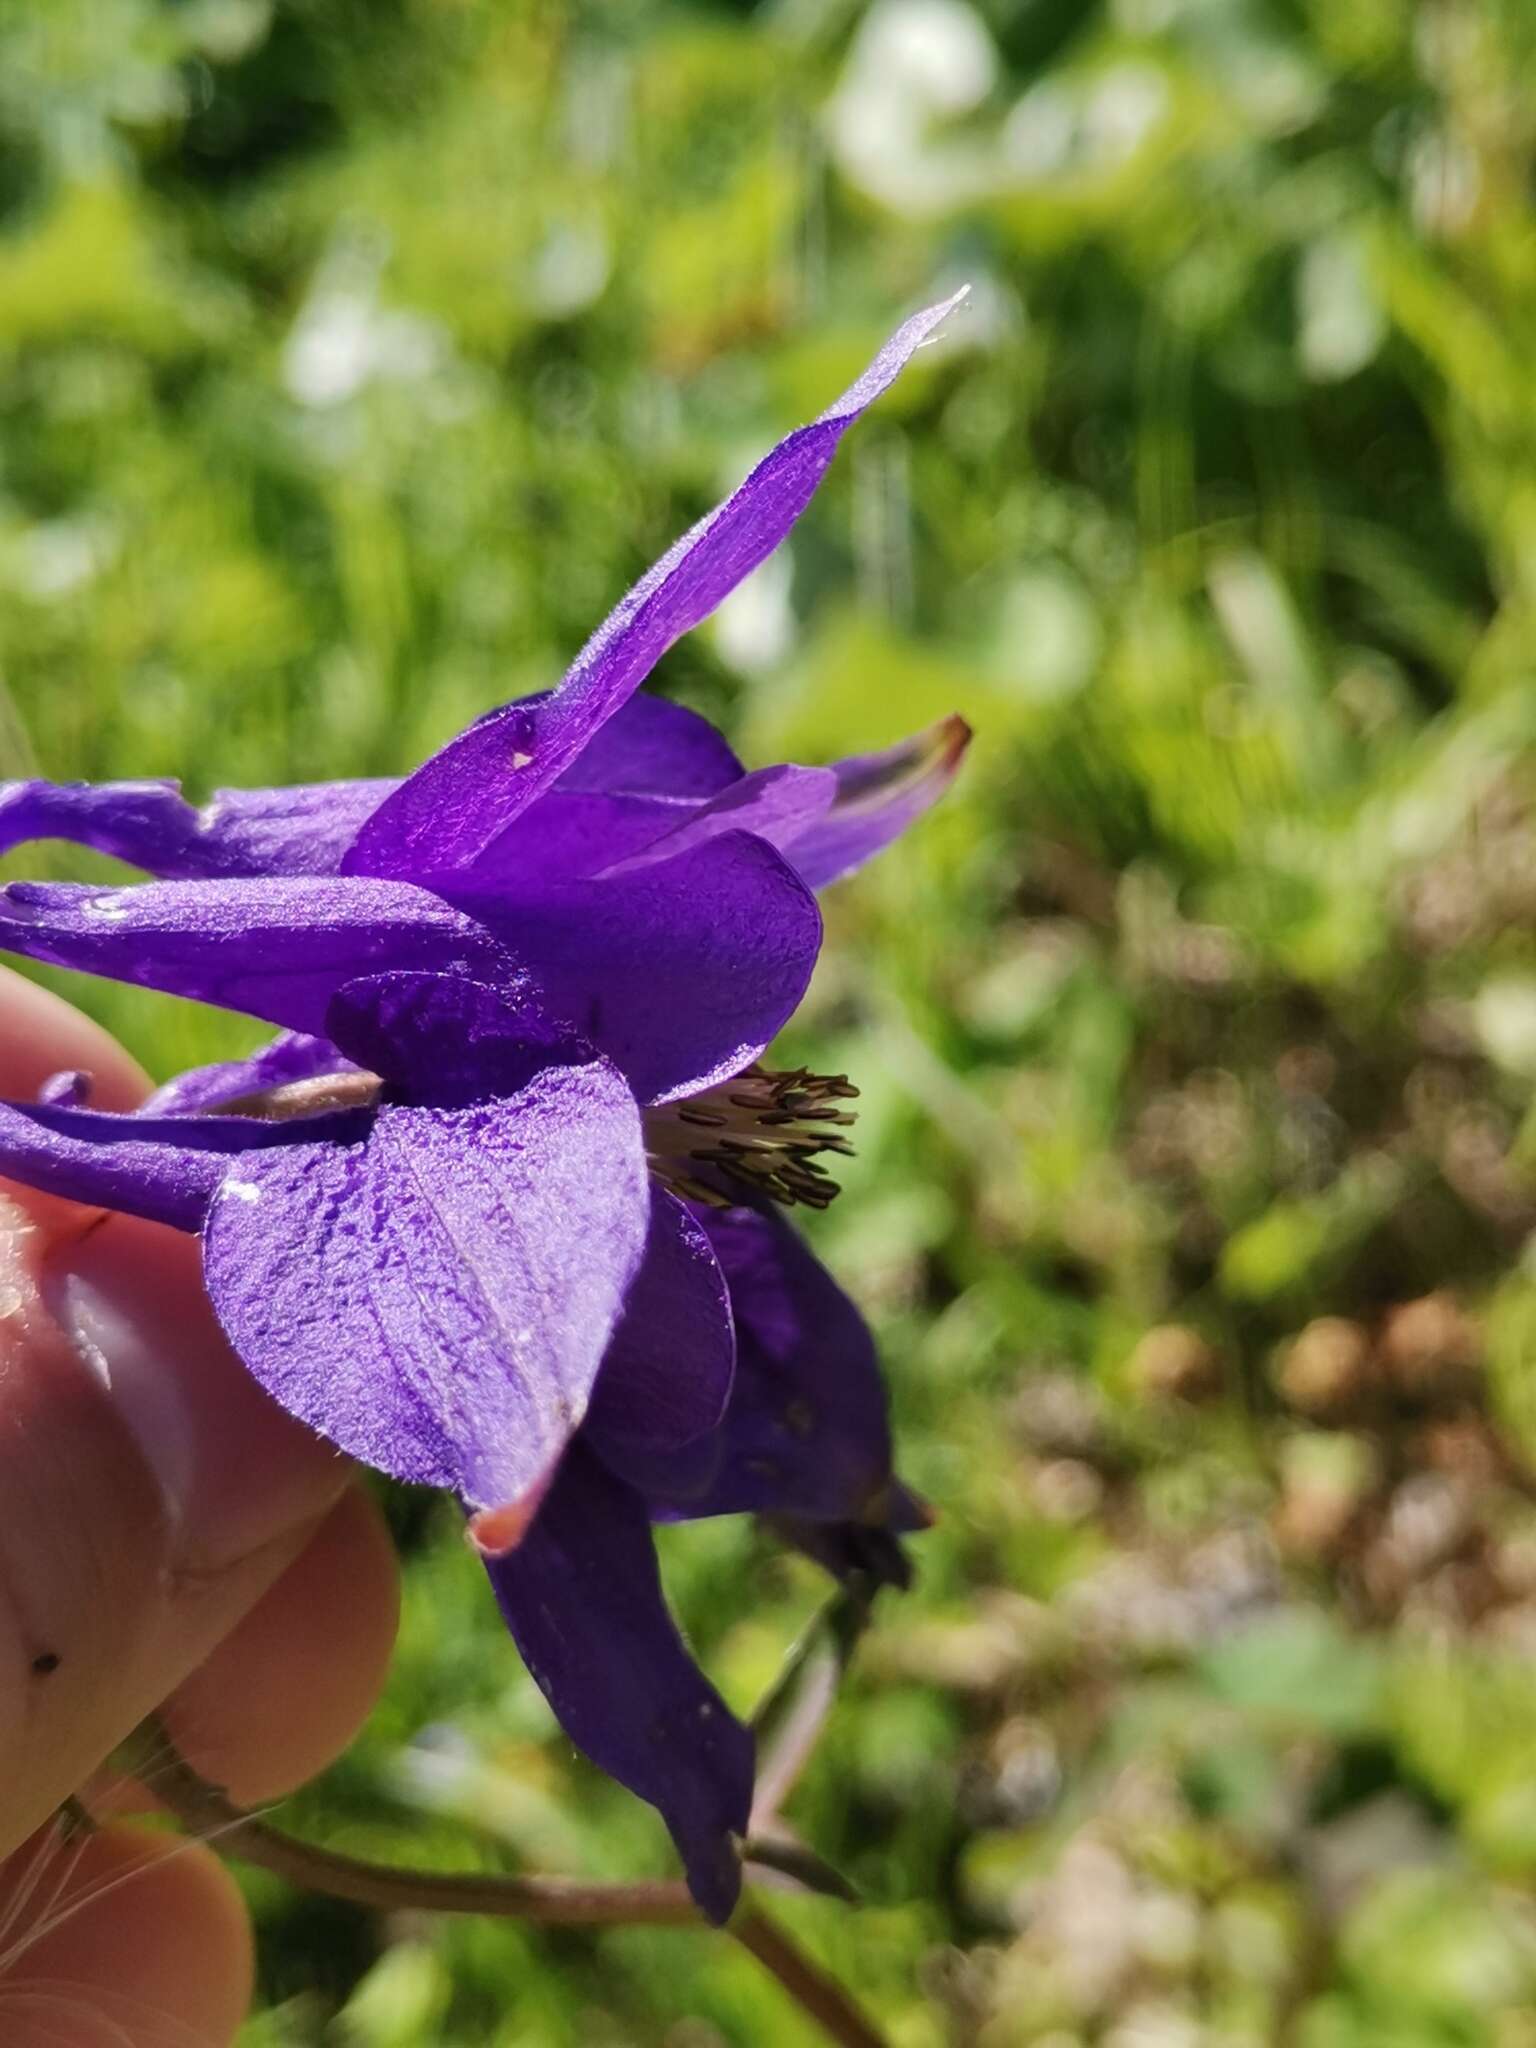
276 949
878 797
445 814
167 1169
583 1600
303 829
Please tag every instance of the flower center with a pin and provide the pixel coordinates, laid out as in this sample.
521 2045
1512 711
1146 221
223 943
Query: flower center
761 1134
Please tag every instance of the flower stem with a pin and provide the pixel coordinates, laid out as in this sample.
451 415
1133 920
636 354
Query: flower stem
546 1901
818 1996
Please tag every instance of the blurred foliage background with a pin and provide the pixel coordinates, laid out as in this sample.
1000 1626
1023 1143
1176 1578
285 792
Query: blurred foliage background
356 354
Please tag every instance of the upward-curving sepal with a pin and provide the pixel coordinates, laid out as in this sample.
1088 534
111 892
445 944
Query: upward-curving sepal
445 814
878 797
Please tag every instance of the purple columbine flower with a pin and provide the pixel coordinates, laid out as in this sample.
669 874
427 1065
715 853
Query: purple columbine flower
492 1213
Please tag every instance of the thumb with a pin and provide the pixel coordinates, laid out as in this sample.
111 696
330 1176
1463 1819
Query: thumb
149 1491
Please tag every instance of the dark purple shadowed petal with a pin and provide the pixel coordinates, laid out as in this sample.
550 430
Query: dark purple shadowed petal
857 1554
302 830
806 1432
292 1056
447 812
681 972
437 1300
667 1374
165 1168
878 797
653 747
583 1600
449 1040
276 949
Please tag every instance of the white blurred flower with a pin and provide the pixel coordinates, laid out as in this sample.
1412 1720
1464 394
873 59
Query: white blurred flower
342 339
914 64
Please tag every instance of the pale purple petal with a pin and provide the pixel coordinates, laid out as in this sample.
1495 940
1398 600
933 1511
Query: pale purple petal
806 1431
570 834
276 949
878 797
681 972
567 837
667 1375
437 1300
456 803
583 1600
291 1056
301 830
778 805
164 1168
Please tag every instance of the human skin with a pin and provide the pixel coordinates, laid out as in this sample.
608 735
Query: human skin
170 1542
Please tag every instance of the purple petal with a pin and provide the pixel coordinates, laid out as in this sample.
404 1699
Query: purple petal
449 810
276 949
583 1600
448 1039
681 972
292 1056
806 1432
778 805
437 1299
856 1553
165 1168
302 830
667 1376
653 747
566 837
878 797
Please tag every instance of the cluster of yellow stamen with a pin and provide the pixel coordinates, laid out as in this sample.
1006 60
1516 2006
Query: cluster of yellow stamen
759 1134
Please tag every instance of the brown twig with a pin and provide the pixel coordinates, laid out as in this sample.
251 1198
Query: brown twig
818 1995
545 1901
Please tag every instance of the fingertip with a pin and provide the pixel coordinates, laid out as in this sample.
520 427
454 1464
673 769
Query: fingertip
123 1937
40 1034
285 1692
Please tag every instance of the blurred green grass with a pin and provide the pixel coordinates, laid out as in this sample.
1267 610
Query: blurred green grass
354 358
